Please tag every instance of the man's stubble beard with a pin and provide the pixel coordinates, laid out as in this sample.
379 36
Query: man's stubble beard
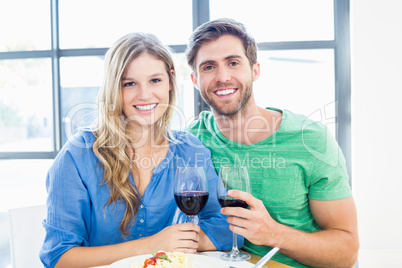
230 112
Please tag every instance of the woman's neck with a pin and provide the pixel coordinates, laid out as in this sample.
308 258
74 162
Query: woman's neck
146 140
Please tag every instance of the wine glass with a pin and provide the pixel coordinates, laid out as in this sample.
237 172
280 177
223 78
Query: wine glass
233 177
191 190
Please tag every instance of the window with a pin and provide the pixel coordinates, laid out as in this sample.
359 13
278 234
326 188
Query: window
278 21
51 66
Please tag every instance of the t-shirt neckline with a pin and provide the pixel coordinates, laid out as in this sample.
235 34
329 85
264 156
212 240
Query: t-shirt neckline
263 142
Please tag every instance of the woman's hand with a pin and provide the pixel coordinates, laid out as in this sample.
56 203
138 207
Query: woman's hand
184 237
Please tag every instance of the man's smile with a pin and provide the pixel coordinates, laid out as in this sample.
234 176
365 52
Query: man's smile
225 92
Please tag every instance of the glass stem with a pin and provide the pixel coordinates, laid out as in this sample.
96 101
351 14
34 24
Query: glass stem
235 250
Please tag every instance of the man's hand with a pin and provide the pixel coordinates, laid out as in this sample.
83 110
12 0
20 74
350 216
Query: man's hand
336 245
255 224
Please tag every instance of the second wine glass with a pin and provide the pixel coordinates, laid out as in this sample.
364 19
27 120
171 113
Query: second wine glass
233 177
191 190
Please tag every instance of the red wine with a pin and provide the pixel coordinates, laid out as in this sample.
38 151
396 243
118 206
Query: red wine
227 201
191 202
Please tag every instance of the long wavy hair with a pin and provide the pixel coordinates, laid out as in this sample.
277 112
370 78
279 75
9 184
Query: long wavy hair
112 139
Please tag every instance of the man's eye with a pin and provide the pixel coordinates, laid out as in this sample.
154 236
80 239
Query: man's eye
208 68
129 84
155 80
233 63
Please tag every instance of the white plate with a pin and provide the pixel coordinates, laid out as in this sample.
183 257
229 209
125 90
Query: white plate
199 260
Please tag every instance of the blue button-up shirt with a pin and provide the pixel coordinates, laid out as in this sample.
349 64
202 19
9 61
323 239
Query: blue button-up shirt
76 212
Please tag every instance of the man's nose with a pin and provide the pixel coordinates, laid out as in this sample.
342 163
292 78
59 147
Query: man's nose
222 75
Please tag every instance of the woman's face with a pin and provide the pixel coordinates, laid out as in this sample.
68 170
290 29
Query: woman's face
145 89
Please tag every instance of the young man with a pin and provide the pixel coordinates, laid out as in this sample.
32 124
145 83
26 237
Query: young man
301 201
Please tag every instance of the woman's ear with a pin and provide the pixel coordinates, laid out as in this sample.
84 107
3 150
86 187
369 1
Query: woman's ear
173 73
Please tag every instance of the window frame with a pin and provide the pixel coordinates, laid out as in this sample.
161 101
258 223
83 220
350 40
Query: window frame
201 14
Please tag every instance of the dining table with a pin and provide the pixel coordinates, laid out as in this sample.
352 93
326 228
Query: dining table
216 254
253 260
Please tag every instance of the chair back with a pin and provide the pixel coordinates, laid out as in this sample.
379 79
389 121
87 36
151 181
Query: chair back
26 235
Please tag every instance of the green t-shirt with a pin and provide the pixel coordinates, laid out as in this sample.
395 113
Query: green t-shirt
300 161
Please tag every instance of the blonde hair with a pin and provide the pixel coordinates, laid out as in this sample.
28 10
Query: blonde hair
112 139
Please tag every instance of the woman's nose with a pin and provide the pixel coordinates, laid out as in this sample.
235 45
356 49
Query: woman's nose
144 93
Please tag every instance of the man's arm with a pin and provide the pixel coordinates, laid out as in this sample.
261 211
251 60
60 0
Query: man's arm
335 246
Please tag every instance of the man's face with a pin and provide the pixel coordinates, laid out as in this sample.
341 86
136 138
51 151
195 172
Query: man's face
224 76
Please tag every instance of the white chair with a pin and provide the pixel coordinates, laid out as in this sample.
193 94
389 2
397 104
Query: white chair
26 235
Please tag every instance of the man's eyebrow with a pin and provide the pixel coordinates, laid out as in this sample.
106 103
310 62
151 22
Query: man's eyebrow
214 61
233 57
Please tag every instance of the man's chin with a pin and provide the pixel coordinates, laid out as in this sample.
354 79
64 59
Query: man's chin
225 112
222 109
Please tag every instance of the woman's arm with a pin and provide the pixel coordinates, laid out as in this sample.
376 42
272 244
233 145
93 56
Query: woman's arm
185 237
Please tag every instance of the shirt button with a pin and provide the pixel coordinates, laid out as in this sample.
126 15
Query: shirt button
142 206
142 220
140 234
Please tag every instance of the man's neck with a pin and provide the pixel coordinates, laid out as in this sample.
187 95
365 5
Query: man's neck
250 125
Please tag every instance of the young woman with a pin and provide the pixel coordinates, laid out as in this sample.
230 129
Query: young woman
110 189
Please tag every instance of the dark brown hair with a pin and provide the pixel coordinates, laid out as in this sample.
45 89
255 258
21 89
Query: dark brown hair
212 30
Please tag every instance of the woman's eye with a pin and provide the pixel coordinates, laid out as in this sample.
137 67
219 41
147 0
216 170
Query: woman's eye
155 80
129 84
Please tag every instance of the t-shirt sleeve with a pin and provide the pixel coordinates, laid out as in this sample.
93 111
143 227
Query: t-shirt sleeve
329 179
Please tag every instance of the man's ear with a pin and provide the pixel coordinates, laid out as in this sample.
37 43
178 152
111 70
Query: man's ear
256 71
195 80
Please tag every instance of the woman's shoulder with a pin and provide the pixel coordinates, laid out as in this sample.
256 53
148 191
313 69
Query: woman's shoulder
77 151
188 148
187 140
79 143
83 138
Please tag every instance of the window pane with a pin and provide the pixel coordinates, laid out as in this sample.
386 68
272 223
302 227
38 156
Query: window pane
98 23
301 81
285 20
80 81
185 101
26 117
25 25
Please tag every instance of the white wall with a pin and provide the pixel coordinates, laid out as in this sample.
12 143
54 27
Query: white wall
376 31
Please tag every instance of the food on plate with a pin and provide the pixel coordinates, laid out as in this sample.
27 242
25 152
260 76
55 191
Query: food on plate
166 260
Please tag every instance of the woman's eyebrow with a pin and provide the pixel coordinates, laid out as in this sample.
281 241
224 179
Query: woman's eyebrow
149 76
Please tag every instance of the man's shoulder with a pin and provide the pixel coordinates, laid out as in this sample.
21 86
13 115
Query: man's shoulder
293 122
202 125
